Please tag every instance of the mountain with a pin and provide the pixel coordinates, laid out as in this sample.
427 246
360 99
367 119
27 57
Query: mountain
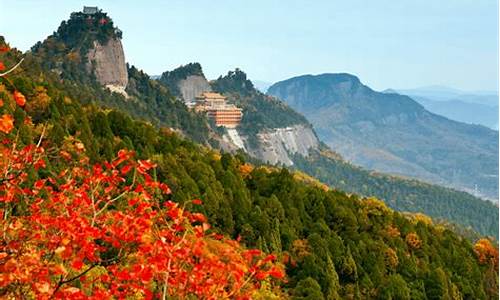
86 54
443 93
393 133
333 244
479 107
270 131
466 112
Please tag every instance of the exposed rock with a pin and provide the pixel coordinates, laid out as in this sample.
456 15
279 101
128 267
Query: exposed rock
276 145
193 86
107 62
234 137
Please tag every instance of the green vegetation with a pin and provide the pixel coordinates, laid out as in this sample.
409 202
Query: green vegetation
403 194
334 245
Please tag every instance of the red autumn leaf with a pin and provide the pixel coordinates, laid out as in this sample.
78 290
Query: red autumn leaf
4 48
261 275
2 66
145 165
276 272
77 264
197 202
20 99
6 123
126 169
197 217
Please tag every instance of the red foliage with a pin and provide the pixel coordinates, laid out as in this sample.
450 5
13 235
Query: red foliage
109 231
20 99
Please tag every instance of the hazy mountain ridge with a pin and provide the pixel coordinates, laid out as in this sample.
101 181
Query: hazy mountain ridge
355 120
479 107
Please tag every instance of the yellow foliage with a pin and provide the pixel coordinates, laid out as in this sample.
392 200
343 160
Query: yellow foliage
303 177
374 206
391 258
413 240
246 169
393 231
300 249
419 217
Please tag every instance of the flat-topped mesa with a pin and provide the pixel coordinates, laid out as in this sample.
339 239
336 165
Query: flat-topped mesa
218 110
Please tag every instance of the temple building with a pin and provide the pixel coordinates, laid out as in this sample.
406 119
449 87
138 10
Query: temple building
217 109
90 10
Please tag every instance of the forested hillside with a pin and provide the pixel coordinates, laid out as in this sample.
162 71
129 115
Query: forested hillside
333 245
263 111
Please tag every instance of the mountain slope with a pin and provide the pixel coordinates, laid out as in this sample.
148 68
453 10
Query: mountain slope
333 245
271 131
393 133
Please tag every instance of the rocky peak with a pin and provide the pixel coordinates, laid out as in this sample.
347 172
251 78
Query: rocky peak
186 82
87 42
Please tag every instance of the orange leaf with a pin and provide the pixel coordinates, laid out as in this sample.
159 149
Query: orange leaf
20 99
6 123
2 66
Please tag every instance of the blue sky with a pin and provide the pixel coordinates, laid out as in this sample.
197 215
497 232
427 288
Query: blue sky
388 44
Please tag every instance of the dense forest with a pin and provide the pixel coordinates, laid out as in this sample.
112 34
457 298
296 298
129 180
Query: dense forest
333 245
403 194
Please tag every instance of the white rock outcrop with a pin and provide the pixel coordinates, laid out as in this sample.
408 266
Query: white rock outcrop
276 145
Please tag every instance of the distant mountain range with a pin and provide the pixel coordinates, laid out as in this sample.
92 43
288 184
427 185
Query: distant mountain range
393 133
480 107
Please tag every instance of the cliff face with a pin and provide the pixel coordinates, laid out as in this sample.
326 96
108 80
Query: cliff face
193 86
108 64
275 146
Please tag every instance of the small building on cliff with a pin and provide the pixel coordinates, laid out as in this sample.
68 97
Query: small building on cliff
218 110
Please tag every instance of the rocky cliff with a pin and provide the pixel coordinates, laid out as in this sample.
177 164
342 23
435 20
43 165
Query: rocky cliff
192 86
186 82
277 145
107 62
